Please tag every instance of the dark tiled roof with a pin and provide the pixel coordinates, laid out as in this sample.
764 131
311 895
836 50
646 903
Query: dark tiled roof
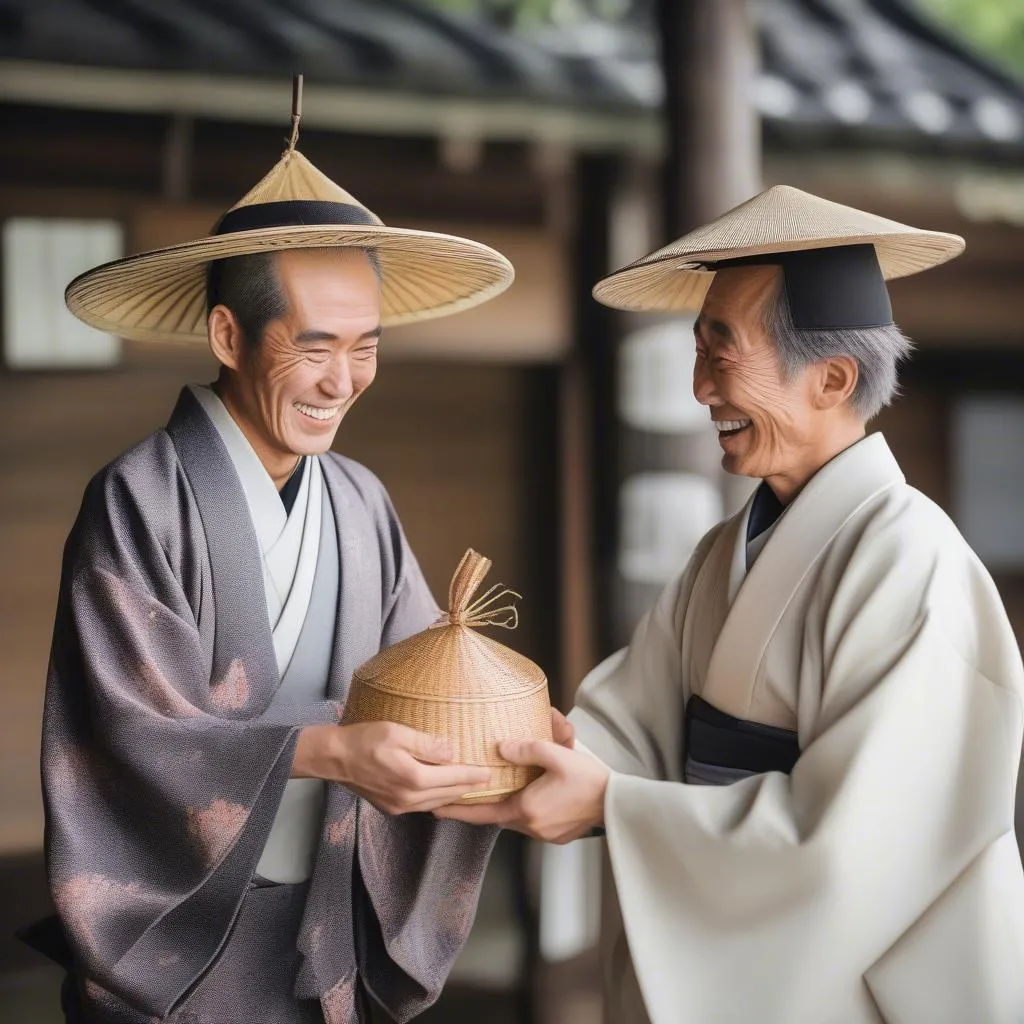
876 67
868 71
394 45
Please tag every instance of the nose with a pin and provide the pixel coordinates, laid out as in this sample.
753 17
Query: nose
337 380
703 386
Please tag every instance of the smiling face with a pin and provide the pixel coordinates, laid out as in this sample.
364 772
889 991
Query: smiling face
778 429
289 392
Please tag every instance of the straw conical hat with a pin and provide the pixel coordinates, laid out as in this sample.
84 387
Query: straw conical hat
161 295
780 219
453 682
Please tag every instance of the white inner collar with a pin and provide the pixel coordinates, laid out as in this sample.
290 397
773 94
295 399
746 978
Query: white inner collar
287 540
268 513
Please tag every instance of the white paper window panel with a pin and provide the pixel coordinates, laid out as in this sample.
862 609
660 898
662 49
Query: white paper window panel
656 379
570 899
663 517
988 477
40 258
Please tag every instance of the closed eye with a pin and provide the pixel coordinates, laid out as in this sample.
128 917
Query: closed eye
717 361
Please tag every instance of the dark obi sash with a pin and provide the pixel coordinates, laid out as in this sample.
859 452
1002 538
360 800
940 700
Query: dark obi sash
721 749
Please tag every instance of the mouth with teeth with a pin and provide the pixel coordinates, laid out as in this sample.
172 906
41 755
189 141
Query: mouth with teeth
318 413
730 428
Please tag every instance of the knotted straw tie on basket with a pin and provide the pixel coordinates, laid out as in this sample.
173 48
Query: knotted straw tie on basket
468 576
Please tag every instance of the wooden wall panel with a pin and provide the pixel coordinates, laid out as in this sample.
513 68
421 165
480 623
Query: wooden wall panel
467 454
917 429
915 426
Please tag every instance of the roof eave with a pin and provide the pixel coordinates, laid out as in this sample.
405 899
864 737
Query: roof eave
329 107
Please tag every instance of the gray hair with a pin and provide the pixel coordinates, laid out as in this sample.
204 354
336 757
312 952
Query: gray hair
248 285
878 352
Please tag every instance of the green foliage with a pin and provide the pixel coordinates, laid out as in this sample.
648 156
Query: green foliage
532 12
508 12
995 27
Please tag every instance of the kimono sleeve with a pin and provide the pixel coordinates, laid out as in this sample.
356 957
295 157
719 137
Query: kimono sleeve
159 795
628 710
817 896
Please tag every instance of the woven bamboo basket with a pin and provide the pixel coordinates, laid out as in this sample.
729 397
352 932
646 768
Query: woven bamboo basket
454 682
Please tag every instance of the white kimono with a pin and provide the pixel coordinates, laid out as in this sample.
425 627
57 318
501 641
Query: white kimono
880 880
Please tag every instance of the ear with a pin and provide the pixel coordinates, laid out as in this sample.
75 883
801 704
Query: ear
837 381
225 336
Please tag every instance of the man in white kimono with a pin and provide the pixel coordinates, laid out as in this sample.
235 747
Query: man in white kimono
219 847
805 761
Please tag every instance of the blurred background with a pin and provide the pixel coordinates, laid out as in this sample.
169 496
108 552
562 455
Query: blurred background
556 436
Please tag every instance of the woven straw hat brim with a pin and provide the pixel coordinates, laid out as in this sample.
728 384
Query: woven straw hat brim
161 295
780 219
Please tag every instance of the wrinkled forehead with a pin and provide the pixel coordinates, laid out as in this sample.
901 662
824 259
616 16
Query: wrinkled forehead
741 294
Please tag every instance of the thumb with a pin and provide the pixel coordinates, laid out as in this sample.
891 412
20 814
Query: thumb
425 747
540 753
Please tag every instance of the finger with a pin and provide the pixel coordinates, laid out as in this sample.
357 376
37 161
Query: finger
425 747
449 797
540 753
479 814
406 801
428 777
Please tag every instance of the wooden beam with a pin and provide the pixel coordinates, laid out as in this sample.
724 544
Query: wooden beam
334 107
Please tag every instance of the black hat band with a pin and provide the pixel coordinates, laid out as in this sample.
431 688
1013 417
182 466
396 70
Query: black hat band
833 288
292 213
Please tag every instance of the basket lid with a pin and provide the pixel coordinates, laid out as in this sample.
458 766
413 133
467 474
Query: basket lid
450 660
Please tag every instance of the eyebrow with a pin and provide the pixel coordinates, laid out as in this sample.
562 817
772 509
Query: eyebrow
314 335
719 327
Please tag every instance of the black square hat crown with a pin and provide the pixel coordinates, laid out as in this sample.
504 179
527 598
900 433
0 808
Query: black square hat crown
832 288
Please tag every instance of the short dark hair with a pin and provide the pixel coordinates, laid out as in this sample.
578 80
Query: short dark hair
248 285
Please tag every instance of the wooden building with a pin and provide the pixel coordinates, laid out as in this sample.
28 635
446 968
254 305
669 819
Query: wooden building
141 127
494 428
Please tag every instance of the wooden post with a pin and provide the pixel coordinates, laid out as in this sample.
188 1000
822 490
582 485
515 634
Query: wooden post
713 158
672 487
713 162
596 328
177 159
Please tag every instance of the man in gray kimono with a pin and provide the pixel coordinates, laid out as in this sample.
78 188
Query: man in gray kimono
219 847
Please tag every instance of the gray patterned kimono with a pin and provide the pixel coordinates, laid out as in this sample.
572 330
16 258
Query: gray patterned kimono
165 755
